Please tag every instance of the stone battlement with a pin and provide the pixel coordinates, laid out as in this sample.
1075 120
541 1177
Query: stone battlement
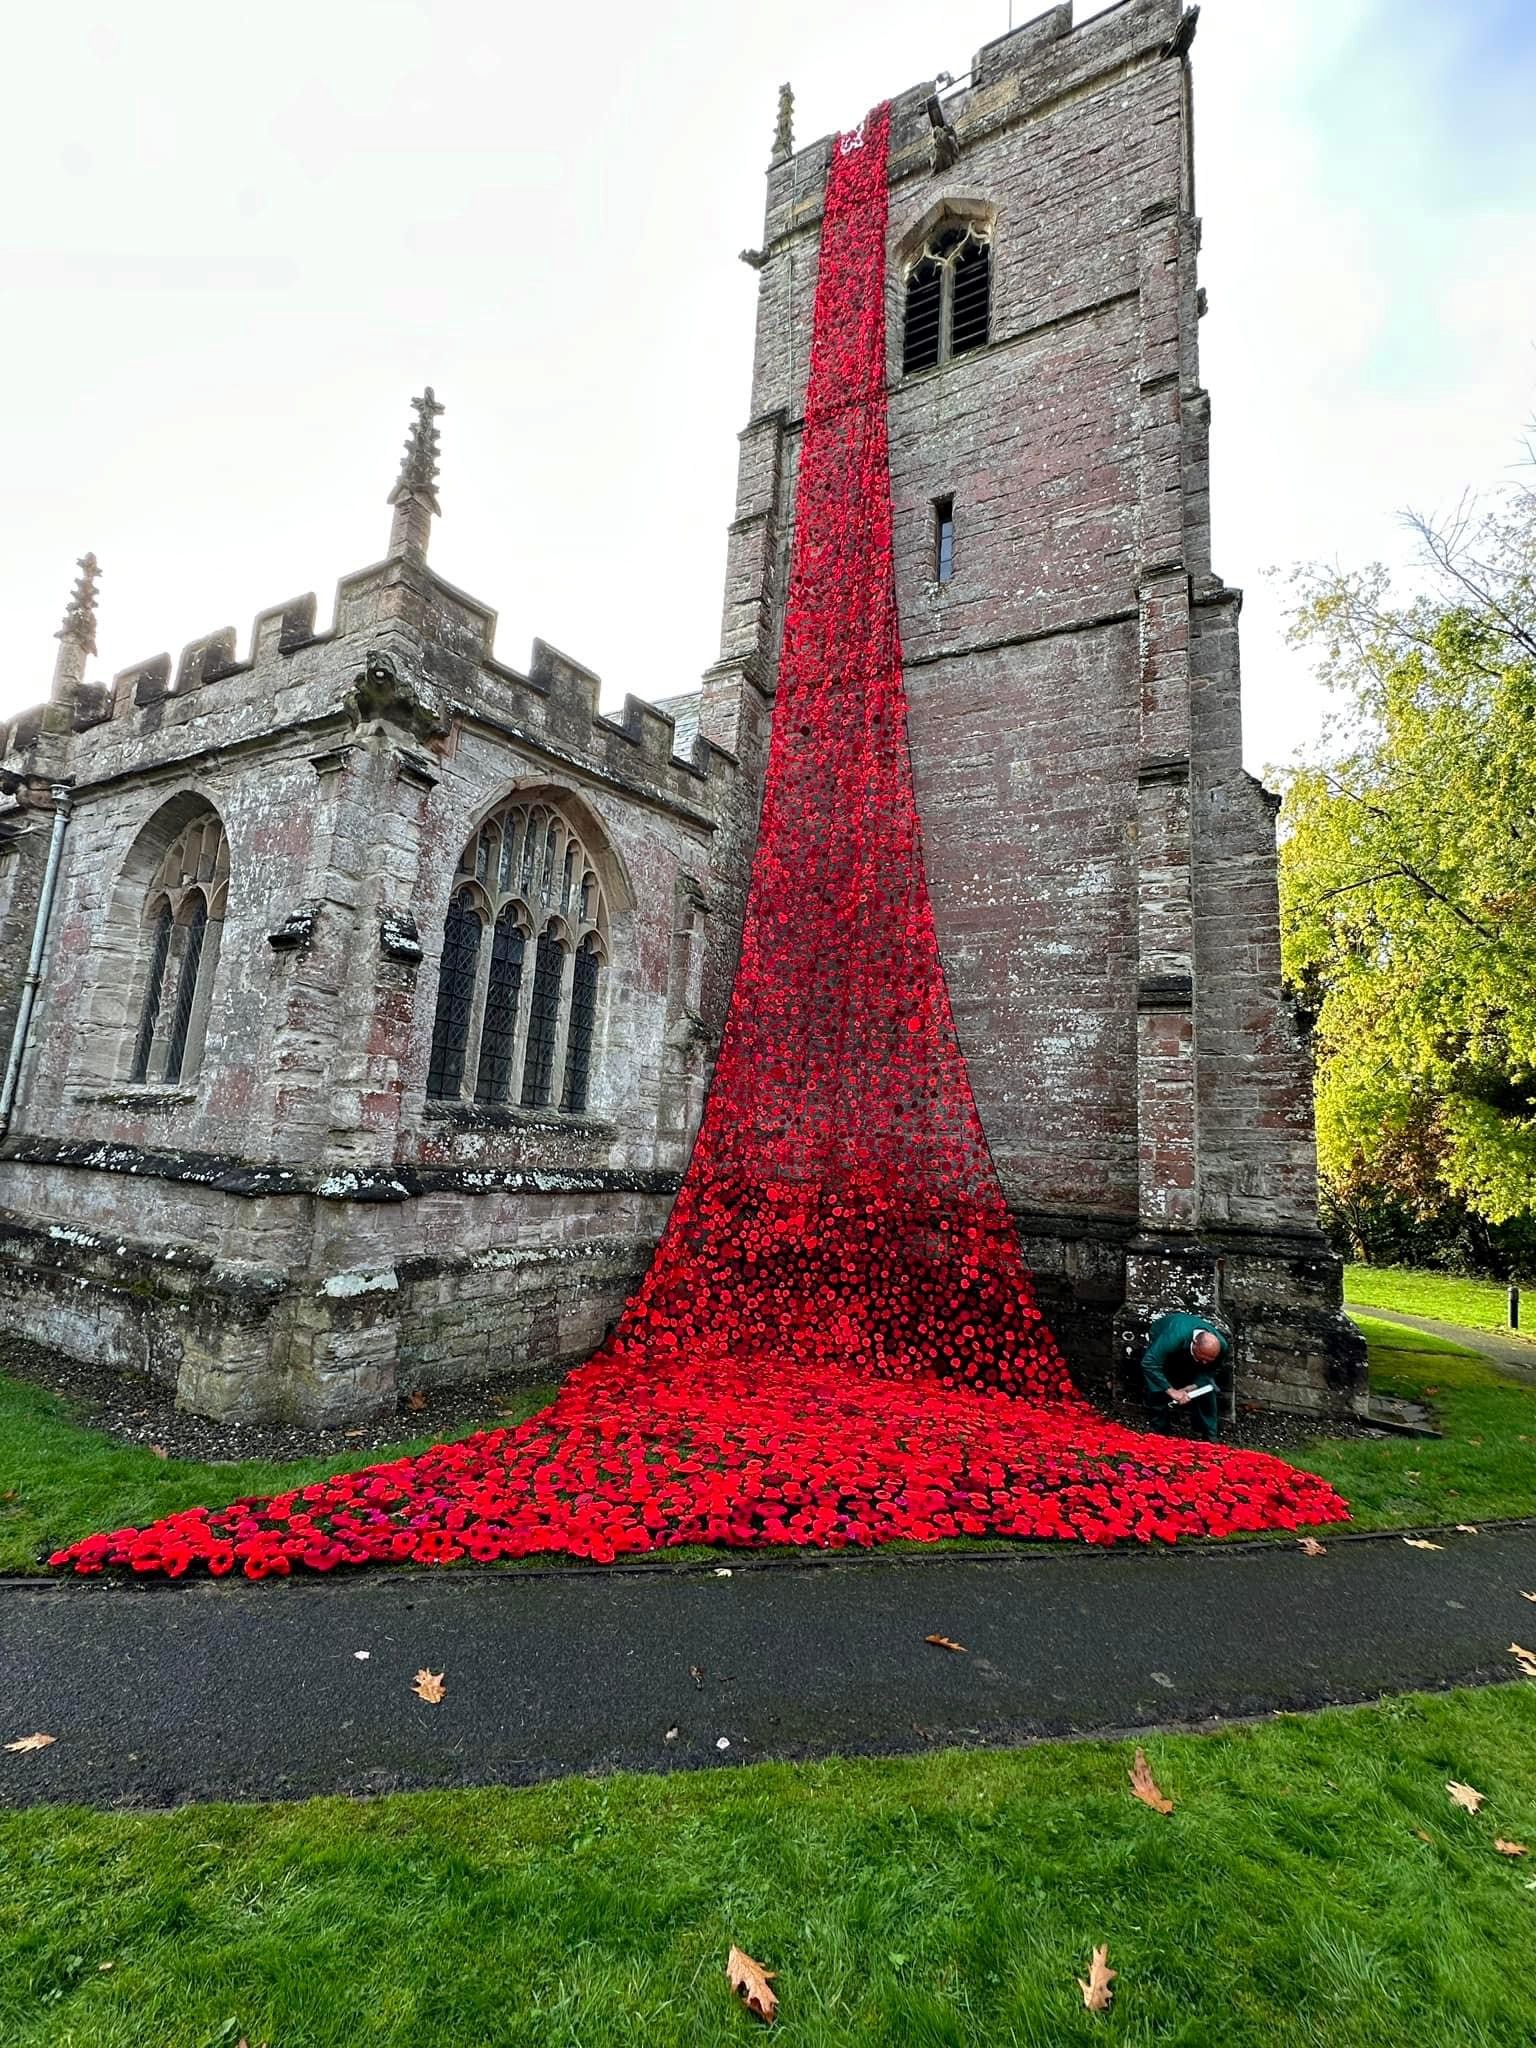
435 641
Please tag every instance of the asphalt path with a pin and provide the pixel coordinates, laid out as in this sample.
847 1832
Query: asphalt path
163 1693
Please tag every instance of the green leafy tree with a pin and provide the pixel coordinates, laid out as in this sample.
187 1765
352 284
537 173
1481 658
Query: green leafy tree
1408 869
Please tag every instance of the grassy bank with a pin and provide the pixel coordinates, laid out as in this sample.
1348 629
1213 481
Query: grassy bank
1314 1885
1442 1297
59 1480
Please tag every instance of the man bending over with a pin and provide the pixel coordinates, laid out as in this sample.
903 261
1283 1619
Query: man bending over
1178 1368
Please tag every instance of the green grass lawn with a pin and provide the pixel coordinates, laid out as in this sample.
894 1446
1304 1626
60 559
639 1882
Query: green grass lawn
1313 1888
59 1480
1442 1297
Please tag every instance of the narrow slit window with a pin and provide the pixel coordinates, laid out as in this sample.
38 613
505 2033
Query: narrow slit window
943 539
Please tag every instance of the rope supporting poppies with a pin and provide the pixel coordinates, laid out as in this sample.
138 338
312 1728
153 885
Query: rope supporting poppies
837 1341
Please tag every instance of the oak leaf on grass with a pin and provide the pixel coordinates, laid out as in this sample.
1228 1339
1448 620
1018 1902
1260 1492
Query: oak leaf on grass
1465 1795
750 1982
1510 1848
1098 1991
1145 1787
428 1686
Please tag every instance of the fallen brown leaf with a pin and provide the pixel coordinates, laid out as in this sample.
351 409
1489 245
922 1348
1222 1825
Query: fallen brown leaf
1422 1543
1466 1529
944 1642
1310 1547
1510 1848
158 1451
1431 1390
428 1686
1465 1795
416 1402
1422 1836
750 1982
1098 1994
32 1742
1526 1659
1145 1787
1528 1596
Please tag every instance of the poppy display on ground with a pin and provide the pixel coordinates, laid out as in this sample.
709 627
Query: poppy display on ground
837 1342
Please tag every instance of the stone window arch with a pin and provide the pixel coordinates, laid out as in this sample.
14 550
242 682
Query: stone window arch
520 995
181 926
946 271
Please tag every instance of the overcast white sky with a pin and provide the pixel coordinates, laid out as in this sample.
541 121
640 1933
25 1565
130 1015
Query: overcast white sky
238 240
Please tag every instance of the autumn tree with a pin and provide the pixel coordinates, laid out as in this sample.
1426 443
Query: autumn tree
1408 868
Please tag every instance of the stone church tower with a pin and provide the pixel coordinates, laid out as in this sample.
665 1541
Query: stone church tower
1102 868
361 992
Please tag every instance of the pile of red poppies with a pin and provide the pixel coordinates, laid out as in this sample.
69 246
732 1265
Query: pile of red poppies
837 1341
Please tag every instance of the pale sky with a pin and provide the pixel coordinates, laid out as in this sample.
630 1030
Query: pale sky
238 241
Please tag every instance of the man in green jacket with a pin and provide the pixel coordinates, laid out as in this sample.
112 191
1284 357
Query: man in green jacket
1178 1367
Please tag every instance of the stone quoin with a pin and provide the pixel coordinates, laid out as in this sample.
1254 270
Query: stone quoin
379 983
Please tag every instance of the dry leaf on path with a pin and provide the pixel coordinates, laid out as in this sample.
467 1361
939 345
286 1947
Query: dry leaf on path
32 1742
1098 1992
1310 1547
1525 1658
1145 1787
1422 1543
1465 1795
750 1982
1466 1529
944 1643
1510 1848
428 1686
1528 1596
416 1402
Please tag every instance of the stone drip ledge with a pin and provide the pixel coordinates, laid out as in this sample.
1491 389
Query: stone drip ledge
337 1183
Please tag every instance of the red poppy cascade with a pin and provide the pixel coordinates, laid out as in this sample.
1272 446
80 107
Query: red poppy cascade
837 1341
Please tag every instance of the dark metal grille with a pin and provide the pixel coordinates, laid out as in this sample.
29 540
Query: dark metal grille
149 1016
455 997
970 299
578 1047
925 305
543 1022
186 988
493 1083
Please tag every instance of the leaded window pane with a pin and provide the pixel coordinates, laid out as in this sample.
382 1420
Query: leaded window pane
186 988
149 1016
543 1023
455 997
578 1047
493 1083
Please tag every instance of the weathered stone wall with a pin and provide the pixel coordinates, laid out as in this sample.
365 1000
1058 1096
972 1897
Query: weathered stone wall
294 1228
1103 872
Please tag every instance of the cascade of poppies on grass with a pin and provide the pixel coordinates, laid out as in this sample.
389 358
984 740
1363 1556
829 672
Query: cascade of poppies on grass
837 1341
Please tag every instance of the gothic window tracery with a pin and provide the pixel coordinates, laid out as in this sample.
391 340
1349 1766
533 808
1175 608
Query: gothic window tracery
524 947
948 296
182 924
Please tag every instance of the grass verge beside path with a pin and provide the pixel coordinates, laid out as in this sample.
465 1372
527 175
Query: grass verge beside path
1314 1885
59 1480
1441 1297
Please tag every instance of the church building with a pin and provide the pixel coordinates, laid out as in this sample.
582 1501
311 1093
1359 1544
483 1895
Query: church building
359 993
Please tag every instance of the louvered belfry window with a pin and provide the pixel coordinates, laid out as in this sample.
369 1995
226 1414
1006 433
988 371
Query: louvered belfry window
949 298
518 1018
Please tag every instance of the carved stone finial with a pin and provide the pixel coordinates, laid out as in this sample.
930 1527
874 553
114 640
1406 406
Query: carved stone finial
784 134
80 617
418 467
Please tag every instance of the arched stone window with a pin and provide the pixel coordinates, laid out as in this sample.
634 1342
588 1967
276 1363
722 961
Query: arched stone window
518 1019
948 295
183 920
